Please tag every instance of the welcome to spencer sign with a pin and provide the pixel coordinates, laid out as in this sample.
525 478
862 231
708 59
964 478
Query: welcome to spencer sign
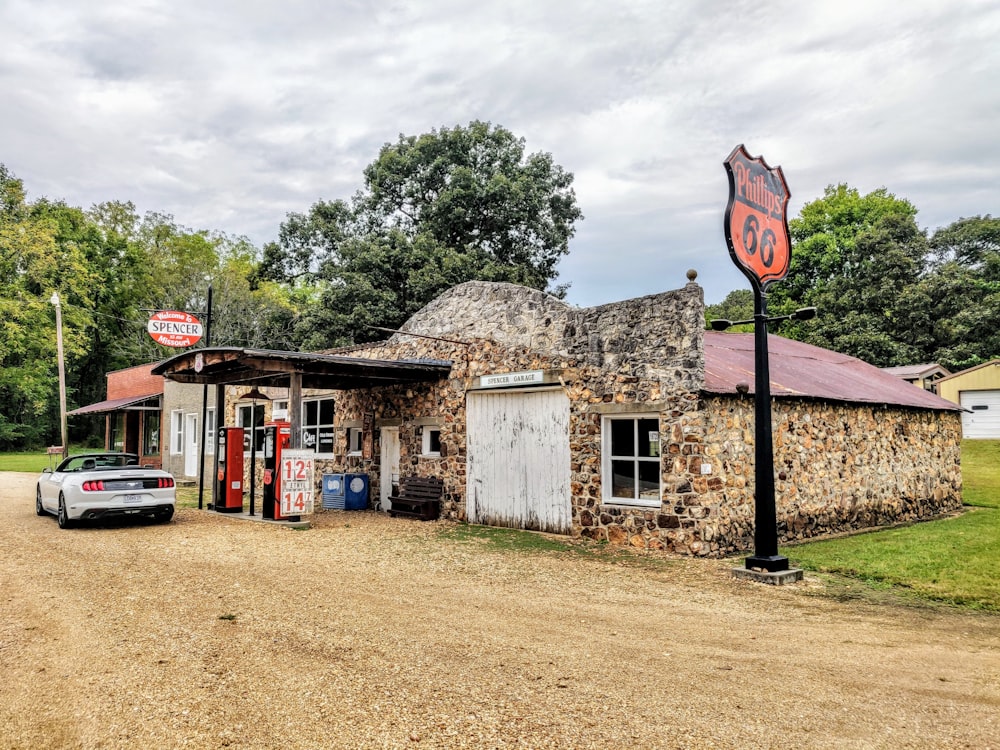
173 328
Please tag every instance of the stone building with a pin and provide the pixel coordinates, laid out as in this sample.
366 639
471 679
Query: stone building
621 422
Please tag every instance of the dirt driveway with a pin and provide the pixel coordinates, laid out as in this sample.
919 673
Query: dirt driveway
370 632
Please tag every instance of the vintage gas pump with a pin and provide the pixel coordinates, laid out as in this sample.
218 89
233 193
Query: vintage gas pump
277 436
229 489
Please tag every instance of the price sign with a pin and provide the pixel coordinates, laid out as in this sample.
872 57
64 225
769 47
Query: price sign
298 468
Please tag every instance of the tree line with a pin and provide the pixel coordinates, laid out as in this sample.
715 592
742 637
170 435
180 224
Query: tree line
887 291
435 210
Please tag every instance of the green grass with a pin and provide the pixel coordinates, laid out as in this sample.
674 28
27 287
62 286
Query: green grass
32 462
954 560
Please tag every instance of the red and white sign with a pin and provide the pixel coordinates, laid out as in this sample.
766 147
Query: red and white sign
756 223
298 468
177 329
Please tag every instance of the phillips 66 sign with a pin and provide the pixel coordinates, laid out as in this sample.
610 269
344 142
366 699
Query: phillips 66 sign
756 225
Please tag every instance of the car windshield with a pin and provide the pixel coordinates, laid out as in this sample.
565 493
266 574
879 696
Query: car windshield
97 461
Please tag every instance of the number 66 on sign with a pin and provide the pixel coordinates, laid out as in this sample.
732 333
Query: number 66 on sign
297 491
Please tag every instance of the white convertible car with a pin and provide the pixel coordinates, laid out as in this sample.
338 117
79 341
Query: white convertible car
92 486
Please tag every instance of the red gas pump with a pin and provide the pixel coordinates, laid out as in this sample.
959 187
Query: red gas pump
229 487
277 436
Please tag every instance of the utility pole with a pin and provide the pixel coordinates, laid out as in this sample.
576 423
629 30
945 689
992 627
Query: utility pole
54 299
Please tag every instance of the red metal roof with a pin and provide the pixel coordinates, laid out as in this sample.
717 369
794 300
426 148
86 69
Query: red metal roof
808 371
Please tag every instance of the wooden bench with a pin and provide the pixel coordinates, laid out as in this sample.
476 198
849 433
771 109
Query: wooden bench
418 497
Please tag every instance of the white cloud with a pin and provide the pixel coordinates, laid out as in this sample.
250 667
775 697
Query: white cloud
231 114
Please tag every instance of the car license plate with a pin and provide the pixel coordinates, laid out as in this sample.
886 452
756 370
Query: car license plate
132 499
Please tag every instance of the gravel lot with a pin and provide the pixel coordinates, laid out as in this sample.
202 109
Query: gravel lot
371 632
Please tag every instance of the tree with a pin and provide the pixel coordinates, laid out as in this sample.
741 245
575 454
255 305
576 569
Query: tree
853 256
436 210
738 305
33 264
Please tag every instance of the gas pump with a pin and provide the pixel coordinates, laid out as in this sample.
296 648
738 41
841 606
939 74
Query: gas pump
277 436
229 487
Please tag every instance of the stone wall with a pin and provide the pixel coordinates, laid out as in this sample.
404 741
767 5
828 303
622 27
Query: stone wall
643 354
838 466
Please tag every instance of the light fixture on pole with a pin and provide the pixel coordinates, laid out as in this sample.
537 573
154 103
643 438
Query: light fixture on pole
253 396
54 299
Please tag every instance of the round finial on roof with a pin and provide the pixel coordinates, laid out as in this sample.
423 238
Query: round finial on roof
692 274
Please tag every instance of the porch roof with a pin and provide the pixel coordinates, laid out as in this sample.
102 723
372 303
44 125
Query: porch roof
225 365
116 404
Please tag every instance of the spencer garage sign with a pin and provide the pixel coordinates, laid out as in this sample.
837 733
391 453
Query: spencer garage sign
176 329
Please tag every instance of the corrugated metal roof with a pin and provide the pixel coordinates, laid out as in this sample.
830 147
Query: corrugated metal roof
915 371
808 371
113 404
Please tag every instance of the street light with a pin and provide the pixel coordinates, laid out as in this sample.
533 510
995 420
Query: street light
803 313
54 299
253 396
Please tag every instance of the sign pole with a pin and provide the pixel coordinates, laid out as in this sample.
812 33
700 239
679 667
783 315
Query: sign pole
204 410
756 230
765 532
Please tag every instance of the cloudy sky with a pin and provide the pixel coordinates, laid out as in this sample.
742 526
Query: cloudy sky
229 114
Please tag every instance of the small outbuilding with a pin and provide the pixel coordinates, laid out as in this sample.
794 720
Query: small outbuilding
977 391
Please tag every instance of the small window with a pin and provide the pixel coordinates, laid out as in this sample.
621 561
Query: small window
353 441
210 431
251 419
176 433
317 425
630 458
431 445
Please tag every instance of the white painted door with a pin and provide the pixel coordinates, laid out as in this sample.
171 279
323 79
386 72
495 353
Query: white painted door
191 445
982 420
518 460
389 463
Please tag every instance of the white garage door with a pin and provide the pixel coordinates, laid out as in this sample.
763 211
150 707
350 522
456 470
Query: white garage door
982 420
518 460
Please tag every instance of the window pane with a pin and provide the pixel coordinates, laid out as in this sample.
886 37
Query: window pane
326 411
622 437
623 478
649 479
151 438
309 417
649 437
434 441
309 439
325 444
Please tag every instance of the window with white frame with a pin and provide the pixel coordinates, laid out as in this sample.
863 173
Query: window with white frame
354 441
251 419
210 431
279 409
317 425
431 441
630 460
176 433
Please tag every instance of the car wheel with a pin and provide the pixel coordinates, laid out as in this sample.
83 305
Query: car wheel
65 522
165 515
39 508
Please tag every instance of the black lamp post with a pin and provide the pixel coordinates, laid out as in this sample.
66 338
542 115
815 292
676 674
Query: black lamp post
253 396
765 533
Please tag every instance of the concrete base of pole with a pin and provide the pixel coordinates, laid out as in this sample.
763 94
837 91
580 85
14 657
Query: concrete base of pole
777 578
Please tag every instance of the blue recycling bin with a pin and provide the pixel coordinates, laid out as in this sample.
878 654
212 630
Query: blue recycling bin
333 491
355 491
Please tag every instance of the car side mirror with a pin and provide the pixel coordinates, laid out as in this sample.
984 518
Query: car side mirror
46 470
